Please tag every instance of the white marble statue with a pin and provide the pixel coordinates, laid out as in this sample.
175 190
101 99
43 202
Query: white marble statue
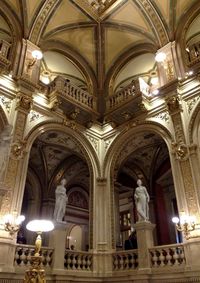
5 140
61 201
141 197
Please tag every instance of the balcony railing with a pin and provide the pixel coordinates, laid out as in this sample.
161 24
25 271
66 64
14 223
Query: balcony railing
193 54
23 255
78 260
73 93
121 96
125 260
161 256
170 255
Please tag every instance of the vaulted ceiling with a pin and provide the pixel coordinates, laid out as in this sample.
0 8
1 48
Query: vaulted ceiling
96 42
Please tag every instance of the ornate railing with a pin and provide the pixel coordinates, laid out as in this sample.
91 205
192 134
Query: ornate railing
72 92
78 260
193 54
120 96
170 255
125 260
23 255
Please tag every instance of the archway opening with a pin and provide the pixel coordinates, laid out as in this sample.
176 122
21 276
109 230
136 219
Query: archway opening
55 156
145 156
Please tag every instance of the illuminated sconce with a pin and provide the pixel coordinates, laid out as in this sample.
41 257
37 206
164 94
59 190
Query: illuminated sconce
185 224
12 222
37 55
35 270
160 57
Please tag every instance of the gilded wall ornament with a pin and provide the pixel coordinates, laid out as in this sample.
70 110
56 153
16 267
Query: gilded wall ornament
34 116
94 142
24 102
18 149
191 103
69 123
164 116
173 104
180 150
6 102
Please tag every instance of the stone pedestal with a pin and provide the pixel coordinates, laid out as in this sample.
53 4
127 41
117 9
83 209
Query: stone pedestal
7 252
192 254
145 241
57 240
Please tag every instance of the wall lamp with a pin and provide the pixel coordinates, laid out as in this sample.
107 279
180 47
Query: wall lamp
37 55
12 222
36 273
185 224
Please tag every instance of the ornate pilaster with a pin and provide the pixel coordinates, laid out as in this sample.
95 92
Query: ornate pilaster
14 177
181 153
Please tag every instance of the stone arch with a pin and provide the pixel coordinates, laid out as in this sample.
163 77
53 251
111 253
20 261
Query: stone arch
126 135
81 141
111 157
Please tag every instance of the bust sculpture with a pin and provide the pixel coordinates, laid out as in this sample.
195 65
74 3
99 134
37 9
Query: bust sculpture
141 197
61 201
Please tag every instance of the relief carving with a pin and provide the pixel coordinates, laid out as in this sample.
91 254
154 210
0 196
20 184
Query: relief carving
18 149
173 104
24 102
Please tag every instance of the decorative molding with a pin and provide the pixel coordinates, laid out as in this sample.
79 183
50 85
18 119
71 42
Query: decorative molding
164 116
191 103
94 142
6 102
18 149
34 116
41 20
24 102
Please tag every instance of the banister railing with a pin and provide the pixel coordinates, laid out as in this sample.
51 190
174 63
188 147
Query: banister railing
125 260
73 92
78 260
169 255
23 255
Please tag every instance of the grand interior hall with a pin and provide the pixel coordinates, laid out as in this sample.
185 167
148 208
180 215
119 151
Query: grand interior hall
99 141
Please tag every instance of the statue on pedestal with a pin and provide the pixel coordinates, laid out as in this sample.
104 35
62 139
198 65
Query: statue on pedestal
61 201
141 197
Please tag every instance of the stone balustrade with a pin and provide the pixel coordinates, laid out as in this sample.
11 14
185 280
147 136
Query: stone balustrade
170 255
121 96
78 260
125 260
23 255
161 256
72 92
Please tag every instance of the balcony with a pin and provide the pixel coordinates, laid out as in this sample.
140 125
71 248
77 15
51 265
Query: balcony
76 103
127 103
